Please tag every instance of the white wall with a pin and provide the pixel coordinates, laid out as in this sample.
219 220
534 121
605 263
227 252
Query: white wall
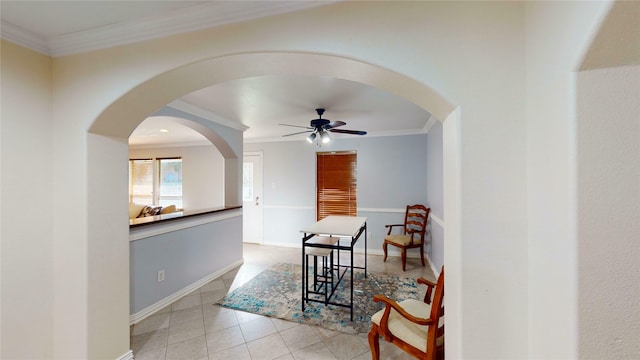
26 241
107 270
452 241
558 34
202 173
608 145
435 193
450 61
503 65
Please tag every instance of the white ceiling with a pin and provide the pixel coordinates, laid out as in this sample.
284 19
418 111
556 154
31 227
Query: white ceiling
260 104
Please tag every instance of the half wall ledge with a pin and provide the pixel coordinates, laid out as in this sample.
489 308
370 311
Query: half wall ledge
164 219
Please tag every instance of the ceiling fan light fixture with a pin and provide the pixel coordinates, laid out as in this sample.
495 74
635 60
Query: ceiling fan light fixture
325 137
311 137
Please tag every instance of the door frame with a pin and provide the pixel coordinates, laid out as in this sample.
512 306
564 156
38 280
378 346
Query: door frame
260 186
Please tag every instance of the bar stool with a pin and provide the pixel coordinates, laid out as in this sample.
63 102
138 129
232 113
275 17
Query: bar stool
322 276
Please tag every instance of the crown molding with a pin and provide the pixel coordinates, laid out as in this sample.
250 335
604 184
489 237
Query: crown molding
169 145
406 132
24 38
344 137
193 18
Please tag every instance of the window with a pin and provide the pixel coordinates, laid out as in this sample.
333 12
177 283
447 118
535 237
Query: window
170 182
247 181
336 184
156 181
141 181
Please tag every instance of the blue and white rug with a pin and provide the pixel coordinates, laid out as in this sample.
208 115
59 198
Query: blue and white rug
277 292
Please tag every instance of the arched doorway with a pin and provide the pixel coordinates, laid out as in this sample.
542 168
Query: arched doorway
109 132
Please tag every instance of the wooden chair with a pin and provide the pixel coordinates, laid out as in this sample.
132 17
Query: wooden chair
413 233
415 326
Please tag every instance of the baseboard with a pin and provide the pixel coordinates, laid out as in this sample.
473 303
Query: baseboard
282 244
127 356
148 311
433 267
410 255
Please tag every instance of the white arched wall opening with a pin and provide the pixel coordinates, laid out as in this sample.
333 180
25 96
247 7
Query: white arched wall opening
225 143
203 186
108 318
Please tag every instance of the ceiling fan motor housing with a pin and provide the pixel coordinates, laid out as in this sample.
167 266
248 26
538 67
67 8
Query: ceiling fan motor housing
318 123
320 127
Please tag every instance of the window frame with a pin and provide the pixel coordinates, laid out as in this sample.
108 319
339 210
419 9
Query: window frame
336 195
158 197
156 169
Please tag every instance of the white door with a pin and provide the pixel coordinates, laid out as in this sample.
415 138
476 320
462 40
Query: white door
252 198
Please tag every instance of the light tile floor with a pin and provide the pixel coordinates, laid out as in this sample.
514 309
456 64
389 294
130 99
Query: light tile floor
195 328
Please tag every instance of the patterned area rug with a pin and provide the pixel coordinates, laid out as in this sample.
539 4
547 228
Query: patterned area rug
277 292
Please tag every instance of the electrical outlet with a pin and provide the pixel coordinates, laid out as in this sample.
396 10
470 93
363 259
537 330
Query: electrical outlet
160 275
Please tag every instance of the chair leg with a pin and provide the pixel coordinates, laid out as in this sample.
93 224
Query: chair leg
374 343
422 253
404 258
384 248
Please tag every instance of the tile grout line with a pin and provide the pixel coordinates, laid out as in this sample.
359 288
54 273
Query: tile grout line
204 328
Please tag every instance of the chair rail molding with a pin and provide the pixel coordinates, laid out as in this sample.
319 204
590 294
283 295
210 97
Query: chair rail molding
433 217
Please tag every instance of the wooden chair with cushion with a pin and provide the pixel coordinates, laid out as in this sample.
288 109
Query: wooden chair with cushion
415 326
413 232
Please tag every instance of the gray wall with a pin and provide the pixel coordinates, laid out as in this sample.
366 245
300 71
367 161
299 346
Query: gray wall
392 172
187 256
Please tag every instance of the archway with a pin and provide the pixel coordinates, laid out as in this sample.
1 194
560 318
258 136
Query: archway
107 146
121 117
167 137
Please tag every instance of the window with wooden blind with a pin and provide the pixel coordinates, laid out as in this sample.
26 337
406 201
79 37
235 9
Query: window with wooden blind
336 184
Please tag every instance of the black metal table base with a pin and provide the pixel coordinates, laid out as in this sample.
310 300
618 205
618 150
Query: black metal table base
325 283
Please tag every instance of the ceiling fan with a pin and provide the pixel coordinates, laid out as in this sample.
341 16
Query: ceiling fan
320 128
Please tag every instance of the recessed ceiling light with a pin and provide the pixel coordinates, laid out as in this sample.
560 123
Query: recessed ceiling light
164 130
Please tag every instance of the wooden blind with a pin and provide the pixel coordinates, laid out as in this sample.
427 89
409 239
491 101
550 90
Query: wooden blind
336 184
141 181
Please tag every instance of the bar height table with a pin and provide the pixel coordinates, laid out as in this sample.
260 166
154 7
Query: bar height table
335 226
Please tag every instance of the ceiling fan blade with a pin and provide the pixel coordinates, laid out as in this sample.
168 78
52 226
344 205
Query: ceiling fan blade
298 126
334 124
301 132
352 132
